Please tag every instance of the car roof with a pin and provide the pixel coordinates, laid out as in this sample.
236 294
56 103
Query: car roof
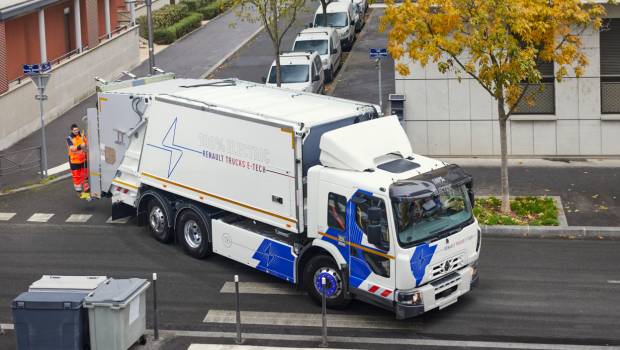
315 33
296 57
333 7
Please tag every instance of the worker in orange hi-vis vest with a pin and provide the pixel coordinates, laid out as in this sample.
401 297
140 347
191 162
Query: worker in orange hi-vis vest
77 148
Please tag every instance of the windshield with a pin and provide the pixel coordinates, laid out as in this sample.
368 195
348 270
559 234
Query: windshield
290 74
427 209
338 19
319 46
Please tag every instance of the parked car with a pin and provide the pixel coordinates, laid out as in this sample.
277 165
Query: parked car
326 42
300 71
360 7
341 16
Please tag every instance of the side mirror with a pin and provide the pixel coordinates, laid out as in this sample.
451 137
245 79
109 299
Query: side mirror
310 25
316 77
470 191
264 79
335 51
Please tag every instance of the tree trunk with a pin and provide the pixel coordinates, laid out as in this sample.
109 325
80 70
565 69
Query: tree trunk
278 77
504 154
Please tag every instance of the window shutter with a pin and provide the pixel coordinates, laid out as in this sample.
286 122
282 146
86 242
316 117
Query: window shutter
610 47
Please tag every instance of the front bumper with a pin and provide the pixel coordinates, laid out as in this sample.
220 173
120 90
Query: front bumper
440 293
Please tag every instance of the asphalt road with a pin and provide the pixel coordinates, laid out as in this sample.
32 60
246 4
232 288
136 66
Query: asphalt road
543 291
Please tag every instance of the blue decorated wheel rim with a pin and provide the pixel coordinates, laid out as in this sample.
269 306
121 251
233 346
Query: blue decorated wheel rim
332 280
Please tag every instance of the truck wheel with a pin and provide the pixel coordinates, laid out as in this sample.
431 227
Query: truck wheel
158 221
193 234
323 266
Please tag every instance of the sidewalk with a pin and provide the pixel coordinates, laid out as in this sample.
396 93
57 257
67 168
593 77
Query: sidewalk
190 57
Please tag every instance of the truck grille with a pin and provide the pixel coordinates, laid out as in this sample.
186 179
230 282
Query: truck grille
448 265
446 285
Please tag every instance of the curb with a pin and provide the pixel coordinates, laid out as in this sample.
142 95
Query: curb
35 186
566 232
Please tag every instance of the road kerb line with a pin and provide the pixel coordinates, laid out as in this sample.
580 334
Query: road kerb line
613 281
260 288
381 341
389 341
306 320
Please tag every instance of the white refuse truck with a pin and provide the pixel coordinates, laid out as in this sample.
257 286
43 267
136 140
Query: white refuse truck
300 186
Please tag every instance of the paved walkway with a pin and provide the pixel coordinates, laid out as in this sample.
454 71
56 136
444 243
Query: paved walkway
191 57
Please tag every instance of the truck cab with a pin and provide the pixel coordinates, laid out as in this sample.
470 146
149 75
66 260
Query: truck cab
400 224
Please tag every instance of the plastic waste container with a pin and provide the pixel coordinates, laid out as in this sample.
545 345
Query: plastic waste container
50 321
117 314
80 284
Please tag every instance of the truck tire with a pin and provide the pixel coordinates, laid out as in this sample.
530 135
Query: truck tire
158 221
324 266
193 234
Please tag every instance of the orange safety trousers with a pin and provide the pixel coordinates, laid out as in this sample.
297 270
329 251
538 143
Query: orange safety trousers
80 178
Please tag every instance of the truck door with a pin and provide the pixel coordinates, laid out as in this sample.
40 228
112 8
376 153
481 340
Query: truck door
371 265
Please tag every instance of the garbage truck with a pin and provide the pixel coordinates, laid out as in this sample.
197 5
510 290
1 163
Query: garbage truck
324 193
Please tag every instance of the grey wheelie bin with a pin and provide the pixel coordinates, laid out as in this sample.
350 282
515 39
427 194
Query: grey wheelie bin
50 321
79 284
117 314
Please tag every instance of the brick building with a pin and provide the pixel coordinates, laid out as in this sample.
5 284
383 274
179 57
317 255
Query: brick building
34 31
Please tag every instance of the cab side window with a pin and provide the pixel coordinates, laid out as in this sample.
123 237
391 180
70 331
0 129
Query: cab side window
361 215
336 211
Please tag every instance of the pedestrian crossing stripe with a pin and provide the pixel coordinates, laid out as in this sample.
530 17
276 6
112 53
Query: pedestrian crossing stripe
261 288
40 217
117 221
78 218
7 216
264 318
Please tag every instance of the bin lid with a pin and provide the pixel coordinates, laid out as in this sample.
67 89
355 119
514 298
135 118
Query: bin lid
115 291
48 301
77 283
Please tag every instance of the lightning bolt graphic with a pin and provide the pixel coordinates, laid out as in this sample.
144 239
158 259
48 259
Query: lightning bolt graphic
167 144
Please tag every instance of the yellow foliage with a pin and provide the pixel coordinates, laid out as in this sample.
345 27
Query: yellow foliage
497 42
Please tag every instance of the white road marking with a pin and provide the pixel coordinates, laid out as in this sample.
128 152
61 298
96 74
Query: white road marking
117 221
261 288
7 326
40 217
6 216
306 320
242 347
81 218
387 341
58 169
613 281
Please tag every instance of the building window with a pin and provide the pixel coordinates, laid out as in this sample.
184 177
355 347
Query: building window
539 98
610 66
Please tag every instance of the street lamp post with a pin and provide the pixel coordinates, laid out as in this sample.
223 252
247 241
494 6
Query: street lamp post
40 79
149 24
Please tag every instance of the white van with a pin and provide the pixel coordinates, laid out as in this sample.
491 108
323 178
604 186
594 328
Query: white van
301 71
341 16
326 42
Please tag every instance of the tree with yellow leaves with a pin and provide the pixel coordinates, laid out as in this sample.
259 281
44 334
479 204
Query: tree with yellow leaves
496 42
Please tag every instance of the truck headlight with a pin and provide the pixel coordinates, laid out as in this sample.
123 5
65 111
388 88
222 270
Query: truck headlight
409 298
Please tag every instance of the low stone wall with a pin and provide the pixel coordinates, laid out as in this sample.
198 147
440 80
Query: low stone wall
71 82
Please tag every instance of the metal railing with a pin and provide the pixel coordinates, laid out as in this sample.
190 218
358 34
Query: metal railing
543 97
22 160
610 97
